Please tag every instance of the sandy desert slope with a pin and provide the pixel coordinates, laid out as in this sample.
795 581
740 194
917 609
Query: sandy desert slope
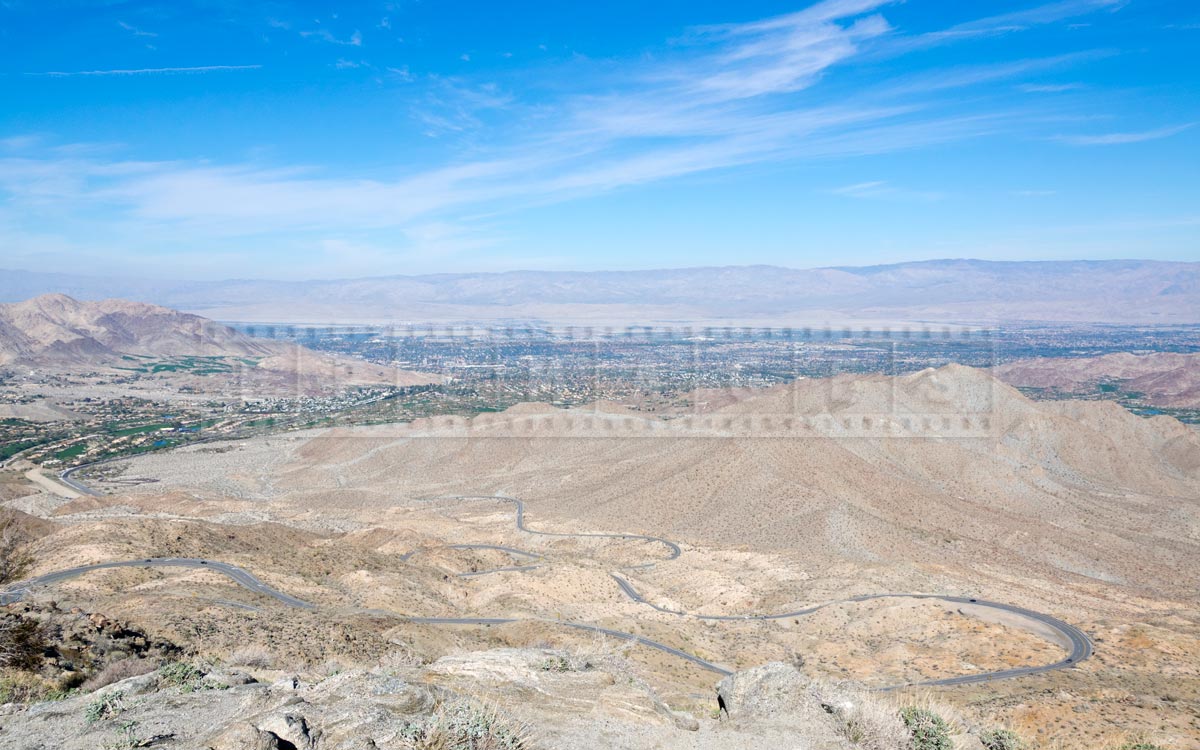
1163 378
55 333
1085 491
944 481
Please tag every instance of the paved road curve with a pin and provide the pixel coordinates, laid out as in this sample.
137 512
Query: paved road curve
240 576
673 550
1080 644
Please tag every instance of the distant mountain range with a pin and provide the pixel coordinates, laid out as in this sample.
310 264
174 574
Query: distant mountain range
55 328
1164 378
941 291
57 332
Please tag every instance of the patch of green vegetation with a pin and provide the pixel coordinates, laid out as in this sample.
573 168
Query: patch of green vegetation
9 450
181 674
1000 739
148 447
466 726
119 432
24 687
929 731
71 452
104 707
127 738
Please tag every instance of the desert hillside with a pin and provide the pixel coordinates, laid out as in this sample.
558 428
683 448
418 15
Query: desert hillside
946 482
946 466
1163 378
56 332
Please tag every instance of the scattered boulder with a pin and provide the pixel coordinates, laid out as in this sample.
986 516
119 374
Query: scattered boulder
243 735
777 694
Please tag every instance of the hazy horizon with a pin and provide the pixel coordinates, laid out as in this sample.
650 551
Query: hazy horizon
607 270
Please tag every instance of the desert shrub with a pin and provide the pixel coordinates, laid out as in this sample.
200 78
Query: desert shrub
14 555
22 643
1141 746
556 663
465 725
115 671
603 652
1000 739
866 720
329 668
104 707
127 738
23 687
400 657
928 730
182 674
252 656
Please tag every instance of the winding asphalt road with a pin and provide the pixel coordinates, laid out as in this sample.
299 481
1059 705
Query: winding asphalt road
1079 643
673 550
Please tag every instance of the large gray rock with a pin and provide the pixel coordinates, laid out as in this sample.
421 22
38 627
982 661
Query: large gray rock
245 736
778 694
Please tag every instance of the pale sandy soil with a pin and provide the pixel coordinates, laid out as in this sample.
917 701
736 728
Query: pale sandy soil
1083 511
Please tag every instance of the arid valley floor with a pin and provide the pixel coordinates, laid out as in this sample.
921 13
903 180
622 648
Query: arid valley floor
942 482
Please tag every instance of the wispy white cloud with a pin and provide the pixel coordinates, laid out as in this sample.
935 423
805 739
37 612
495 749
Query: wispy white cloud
862 189
972 75
724 97
1115 139
880 189
1006 23
1049 88
325 35
135 30
146 71
19 142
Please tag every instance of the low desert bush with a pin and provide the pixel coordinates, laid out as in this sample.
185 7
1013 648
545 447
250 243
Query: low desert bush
868 721
24 687
929 731
603 652
1000 739
255 657
14 553
466 725
115 671
185 675
104 707
126 738
329 668
401 656
22 643
556 663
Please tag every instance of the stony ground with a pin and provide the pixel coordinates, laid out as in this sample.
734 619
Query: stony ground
1038 512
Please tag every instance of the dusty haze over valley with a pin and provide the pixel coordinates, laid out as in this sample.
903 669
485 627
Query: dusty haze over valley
943 291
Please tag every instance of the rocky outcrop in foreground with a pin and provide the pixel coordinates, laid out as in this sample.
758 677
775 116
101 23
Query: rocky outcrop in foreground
505 699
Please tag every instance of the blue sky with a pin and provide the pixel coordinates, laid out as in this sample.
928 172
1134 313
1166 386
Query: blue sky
298 140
